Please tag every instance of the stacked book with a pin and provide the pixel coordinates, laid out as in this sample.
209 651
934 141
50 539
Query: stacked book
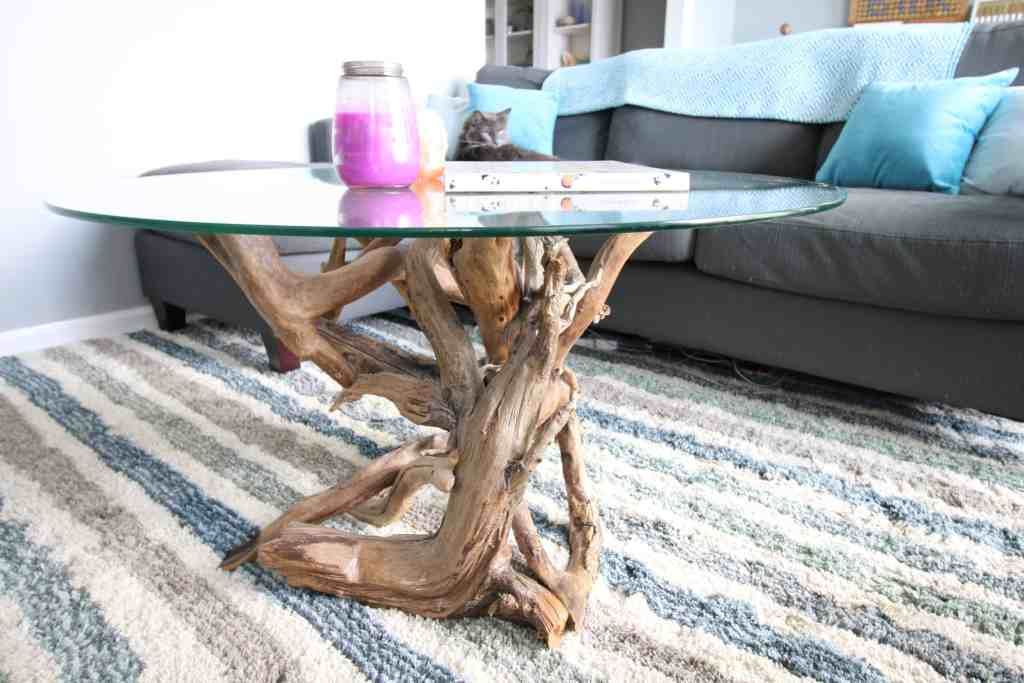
503 187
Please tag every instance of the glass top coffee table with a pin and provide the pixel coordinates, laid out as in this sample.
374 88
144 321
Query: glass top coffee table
495 413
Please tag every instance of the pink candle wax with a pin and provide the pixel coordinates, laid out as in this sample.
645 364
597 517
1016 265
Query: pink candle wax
376 149
377 208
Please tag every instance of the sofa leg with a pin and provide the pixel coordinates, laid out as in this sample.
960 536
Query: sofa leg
169 317
280 356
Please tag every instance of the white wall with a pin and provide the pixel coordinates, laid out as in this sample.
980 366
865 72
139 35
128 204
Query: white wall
699 23
113 87
761 19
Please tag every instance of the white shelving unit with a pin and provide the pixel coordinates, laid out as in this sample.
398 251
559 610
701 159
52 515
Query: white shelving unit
573 29
508 42
599 38
544 44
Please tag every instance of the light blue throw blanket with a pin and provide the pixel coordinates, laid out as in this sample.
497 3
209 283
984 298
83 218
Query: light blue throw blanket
807 78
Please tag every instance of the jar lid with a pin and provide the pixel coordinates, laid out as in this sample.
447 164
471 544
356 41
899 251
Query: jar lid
372 68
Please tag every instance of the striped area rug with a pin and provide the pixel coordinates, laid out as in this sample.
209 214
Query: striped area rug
754 533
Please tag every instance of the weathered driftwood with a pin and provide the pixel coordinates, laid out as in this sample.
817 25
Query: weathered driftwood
336 259
499 413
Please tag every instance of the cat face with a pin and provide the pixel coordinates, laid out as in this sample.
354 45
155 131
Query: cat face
486 129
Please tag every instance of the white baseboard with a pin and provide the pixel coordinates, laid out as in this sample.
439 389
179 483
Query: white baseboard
27 339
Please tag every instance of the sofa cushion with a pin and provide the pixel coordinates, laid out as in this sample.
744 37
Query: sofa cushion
583 137
668 246
916 251
991 48
829 136
644 136
318 136
656 138
996 165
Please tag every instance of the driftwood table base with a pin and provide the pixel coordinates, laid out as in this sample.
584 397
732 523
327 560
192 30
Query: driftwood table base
532 304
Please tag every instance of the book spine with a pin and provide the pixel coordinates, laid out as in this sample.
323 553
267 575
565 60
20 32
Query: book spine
467 203
655 181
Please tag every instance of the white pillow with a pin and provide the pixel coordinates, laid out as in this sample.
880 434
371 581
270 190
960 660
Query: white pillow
996 165
454 109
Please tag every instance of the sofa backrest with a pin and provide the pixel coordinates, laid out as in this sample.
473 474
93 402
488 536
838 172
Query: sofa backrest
580 138
318 136
666 140
993 47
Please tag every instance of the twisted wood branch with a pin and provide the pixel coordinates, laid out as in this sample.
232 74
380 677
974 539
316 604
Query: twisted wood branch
433 470
367 483
604 271
573 585
457 361
292 303
336 259
421 401
532 303
485 271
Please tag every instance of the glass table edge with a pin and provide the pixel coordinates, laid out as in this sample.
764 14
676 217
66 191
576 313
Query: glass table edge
442 232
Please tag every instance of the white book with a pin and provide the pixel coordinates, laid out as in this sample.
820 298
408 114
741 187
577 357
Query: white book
560 176
521 202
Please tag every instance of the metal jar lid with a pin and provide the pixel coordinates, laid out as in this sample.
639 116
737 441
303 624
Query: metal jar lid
372 68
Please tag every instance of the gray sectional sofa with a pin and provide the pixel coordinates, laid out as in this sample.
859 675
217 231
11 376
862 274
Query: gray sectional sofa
912 293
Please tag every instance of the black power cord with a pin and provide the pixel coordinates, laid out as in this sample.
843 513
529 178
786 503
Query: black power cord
751 373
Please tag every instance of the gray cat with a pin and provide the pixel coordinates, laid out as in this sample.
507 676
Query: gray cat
485 138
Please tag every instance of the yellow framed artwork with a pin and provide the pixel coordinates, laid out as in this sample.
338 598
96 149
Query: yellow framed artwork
868 11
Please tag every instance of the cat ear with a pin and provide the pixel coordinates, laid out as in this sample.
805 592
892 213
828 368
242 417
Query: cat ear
504 114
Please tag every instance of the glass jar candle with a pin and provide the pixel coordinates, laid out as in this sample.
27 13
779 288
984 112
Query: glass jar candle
376 143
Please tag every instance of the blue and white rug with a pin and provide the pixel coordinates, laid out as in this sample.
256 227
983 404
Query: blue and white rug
800 531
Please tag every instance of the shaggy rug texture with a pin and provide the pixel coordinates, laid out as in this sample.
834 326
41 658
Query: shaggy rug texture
769 531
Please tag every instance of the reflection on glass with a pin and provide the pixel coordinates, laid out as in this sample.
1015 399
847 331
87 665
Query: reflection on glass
431 196
426 205
313 202
377 208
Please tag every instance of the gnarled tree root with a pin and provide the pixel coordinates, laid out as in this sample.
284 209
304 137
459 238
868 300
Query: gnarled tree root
532 303
572 585
343 497
433 470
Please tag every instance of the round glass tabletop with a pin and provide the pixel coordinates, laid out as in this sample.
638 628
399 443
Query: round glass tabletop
311 201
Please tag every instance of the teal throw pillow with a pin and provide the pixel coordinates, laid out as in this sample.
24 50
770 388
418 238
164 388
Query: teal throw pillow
531 123
914 136
997 162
